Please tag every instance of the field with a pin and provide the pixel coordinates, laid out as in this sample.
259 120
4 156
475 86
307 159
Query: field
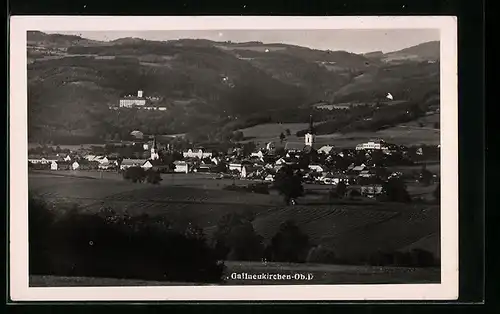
272 130
70 147
353 230
322 274
405 134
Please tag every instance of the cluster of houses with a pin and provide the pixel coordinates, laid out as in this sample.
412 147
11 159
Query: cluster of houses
261 164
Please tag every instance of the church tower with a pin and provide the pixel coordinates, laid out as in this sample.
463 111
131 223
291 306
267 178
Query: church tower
309 137
154 150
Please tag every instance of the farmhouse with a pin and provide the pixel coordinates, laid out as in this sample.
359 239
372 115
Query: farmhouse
294 147
127 163
327 149
84 165
137 134
101 159
372 144
43 160
317 168
107 166
371 190
199 153
205 168
156 165
334 179
181 167
248 171
258 154
236 166
359 168
60 165
367 174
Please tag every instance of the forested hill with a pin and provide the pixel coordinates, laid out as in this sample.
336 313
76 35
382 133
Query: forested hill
72 82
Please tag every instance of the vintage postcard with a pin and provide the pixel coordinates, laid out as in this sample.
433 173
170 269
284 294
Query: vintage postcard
233 158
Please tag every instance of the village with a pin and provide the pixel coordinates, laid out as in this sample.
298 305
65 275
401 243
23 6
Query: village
363 168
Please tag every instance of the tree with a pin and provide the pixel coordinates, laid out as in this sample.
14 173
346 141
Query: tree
194 232
134 174
280 152
282 137
238 136
425 176
244 243
288 133
248 148
320 254
289 244
153 177
288 183
437 193
236 236
394 190
341 189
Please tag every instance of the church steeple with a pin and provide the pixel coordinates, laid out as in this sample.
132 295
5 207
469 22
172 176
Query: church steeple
309 137
311 127
154 150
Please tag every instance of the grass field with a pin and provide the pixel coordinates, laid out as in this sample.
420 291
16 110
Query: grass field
353 230
272 130
321 274
404 134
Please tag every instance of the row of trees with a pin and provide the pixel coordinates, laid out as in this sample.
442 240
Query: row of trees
70 242
140 175
236 239
289 183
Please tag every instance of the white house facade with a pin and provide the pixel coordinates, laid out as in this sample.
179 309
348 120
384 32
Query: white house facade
181 167
378 145
196 153
127 163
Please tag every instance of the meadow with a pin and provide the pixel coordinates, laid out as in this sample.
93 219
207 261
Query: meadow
272 129
322 274
353 230
405 134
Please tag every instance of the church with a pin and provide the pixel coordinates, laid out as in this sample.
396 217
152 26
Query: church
309 137
299 147
154 150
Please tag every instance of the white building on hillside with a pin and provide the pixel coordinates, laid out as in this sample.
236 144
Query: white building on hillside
373 144
133 101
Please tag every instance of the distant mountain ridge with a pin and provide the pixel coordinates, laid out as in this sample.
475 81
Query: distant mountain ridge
72 81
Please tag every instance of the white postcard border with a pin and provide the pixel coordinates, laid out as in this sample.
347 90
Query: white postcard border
19 288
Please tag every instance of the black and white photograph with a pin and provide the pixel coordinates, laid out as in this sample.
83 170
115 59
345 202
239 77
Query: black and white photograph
227 158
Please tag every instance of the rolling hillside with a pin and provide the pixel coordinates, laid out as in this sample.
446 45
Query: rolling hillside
353 231
424 52
205 85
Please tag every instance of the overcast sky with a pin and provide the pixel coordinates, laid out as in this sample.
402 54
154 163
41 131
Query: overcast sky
357 41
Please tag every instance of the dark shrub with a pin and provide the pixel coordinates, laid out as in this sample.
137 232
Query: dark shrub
121 246
289 244
289 184
40 222
236 239
135 174
413 258
394 190
320 254
153 177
